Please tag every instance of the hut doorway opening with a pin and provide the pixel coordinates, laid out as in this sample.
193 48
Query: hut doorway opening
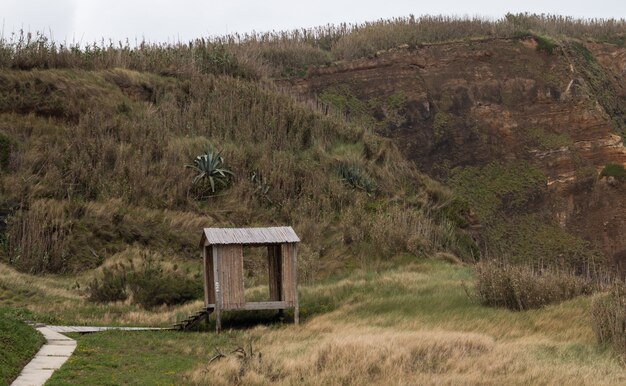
257 278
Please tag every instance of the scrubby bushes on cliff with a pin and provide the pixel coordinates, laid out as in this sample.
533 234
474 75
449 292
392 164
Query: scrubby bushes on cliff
613 170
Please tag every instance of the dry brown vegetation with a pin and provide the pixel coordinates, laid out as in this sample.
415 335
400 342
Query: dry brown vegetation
425 331
110 172
286 53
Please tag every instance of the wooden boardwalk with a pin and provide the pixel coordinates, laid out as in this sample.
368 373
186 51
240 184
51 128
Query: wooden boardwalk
87 329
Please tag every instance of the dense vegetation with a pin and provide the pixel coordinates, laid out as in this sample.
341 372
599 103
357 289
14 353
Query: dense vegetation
18 343
94 142
97 164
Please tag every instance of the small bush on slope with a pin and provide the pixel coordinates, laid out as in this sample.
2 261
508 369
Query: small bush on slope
111 287
521 288
613 170
210 167
149 283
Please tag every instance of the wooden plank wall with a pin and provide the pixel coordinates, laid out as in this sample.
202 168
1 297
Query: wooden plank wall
274 266
230 273
288 254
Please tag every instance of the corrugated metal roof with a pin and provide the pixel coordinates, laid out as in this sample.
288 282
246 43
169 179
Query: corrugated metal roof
271 235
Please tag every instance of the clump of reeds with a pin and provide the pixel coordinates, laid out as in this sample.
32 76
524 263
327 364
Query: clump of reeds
37 237
608 318
520 287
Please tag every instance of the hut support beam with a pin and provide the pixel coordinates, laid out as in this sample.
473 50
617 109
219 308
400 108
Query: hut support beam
218 292
296 310
207 267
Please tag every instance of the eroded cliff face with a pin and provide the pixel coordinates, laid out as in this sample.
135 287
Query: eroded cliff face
505 101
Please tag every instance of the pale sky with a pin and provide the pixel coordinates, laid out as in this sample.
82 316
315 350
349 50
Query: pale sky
168 21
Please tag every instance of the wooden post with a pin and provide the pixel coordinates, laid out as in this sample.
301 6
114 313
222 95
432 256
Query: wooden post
205 260
218 290
296 310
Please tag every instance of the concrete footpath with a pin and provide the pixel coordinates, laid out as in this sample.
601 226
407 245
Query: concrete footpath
50 357
57 351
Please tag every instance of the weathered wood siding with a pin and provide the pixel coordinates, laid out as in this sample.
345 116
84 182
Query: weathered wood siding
230 274
288 257
274 265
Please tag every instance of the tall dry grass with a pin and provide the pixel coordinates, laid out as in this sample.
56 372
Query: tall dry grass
279 53
351 358
37 237
325 353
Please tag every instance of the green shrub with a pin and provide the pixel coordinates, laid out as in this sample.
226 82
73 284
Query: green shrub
111 287
211 170
522 288
614 170
494 187
583 51
457 211
545 44
608 318
150 284
153 286
356 177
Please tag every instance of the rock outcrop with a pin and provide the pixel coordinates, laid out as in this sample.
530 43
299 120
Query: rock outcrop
479 102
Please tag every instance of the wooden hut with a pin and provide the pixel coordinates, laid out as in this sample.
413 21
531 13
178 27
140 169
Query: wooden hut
223 254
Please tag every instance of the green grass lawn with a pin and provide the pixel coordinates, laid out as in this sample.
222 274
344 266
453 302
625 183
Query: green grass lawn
138 357
18 343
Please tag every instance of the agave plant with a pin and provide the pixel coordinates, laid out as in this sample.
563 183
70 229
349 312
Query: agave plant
210 167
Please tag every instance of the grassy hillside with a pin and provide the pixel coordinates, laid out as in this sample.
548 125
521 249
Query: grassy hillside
94 142
96 198
18 344
97 163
